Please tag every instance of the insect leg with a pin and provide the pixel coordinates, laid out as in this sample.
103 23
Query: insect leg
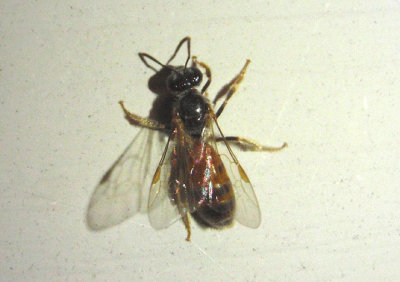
141 121
229 89
186 221
186 39
208 74
251 145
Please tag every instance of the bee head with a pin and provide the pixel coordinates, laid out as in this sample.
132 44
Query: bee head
182 79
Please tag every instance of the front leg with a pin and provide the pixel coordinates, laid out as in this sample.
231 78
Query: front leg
230 89
208 74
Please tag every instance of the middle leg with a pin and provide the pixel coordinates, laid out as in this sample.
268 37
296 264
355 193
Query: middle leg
141 121
186 221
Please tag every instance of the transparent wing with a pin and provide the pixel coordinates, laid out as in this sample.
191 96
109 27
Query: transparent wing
247 209
162 210
123 190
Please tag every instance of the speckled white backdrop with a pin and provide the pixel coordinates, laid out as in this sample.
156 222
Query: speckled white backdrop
324 78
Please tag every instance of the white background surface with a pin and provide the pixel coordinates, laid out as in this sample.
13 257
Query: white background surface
324 77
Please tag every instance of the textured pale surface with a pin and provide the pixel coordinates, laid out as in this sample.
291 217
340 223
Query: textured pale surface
324 77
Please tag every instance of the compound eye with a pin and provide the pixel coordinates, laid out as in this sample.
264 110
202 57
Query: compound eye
195 76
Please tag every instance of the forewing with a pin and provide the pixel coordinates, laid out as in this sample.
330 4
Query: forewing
162 211
247 209
123 190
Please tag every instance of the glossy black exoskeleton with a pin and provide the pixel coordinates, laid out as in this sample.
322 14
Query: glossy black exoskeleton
181 83
192 110
183 78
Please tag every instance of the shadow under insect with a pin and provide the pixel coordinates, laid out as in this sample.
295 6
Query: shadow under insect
123 189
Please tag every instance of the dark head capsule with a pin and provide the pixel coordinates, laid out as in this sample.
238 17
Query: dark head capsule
182 79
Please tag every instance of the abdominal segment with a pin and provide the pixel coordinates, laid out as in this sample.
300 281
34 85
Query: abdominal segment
211 187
